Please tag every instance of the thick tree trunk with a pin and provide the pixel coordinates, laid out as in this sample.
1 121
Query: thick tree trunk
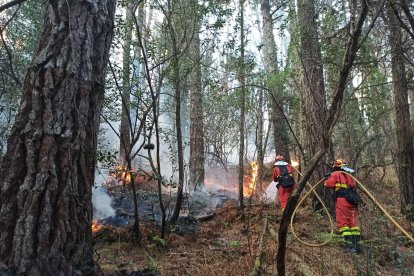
196 162
405 154
312 91
280 130
48 171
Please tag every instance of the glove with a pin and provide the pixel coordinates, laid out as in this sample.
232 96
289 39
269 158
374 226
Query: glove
326 176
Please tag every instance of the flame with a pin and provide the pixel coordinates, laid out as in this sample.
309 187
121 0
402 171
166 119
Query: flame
294 163
122 173
96 226
252 183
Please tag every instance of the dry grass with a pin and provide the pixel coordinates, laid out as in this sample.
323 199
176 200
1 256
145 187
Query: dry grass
227 244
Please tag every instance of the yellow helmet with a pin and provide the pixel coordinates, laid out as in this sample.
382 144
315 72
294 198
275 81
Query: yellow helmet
339 163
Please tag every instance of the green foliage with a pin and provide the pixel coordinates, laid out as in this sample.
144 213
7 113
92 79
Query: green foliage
333 238
159 241
152 264
20 40
107 157
226 225
234 243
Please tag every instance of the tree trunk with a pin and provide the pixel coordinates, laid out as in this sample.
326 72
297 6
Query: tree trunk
325 141
177 89
196 162
125 126
259 145
155 95
47 174
280 131
242 107
405 153
312 91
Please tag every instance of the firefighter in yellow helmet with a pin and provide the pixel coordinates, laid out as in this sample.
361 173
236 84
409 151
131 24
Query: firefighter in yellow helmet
346 205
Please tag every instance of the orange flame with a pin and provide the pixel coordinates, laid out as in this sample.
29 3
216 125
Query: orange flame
252 183
122 173
294 163
96 226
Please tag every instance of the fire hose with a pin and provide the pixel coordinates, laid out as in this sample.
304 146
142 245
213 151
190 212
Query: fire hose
312 189
365 190
360 186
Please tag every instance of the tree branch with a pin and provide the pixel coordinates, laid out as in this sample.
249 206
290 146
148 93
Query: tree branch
407 13
11 4
349 57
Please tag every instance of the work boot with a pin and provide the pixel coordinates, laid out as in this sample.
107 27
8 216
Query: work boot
349 244
357 244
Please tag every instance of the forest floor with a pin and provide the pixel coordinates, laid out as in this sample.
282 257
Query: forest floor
228 244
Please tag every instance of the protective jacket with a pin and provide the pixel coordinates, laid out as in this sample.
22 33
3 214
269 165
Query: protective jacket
346 212
283 192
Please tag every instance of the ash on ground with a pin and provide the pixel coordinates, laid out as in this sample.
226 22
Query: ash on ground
194 206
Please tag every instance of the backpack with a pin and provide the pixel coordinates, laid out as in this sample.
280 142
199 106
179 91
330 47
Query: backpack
285 179
352 196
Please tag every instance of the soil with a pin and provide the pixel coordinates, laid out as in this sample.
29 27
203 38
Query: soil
227 243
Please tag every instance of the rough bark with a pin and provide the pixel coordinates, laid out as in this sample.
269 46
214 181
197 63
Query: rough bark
404 132
47 174
312 91
280 130
196 162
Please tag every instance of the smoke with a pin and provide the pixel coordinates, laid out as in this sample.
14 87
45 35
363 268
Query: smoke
218 179
101 201
270 195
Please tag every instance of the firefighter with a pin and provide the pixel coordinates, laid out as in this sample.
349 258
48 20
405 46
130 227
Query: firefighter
346 207
283 175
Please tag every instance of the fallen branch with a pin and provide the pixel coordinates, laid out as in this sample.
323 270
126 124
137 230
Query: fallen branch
258 261
206 217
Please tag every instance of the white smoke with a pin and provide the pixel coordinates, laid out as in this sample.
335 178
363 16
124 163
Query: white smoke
219 180
270 195
101 201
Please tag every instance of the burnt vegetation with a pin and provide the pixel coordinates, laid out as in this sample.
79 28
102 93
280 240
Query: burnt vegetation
139 137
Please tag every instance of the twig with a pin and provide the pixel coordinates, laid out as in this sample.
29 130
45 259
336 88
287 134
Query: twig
258 261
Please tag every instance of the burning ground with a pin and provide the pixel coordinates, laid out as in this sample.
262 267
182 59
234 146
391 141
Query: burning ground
228 243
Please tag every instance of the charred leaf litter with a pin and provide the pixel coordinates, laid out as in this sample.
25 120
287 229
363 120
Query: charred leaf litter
195 207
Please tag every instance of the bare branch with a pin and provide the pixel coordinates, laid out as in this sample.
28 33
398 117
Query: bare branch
402 23
407 12
11 4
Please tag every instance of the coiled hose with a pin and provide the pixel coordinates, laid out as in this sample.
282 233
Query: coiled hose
360 186
312 189
365 190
